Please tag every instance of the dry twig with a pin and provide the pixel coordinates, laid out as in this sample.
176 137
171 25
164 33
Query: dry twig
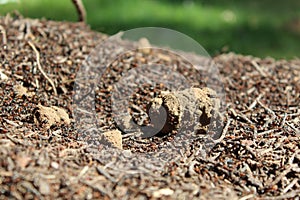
104 173
80 10
224 131
288 195
40 67
4 39
258 68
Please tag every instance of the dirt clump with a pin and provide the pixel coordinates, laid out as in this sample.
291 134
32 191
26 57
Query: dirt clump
187 105
114 137
50 116
22 91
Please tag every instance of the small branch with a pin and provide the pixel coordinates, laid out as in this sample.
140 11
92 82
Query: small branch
283 120
104 173
83 171
249 196
290 186
4 39
40 67
266 132
80 10
240 115
255 101
269 111
258 68
15 140
224 131
293 127
98 187
288 195
281 175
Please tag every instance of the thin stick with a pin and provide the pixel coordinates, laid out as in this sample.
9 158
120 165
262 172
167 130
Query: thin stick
224 131
280 176
293 127
83 171
99 188
288 195
104 173
255 101
257 67
40 67
4 39
266 132
80 10
241 115
290 186
283 120
249 196
268 109
15 140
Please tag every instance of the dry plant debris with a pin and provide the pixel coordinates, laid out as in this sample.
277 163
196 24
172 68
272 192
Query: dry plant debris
258 157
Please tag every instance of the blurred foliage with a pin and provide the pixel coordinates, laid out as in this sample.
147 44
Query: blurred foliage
261 28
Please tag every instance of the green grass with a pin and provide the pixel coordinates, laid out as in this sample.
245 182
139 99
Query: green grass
243 26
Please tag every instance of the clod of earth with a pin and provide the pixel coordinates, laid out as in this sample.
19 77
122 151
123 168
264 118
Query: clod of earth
114 137
21 91
3 77
186 105
144 45
50 116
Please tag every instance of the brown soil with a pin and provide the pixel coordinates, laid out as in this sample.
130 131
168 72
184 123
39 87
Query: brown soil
257 156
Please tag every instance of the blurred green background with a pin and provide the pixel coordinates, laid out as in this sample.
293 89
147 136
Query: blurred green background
258 27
